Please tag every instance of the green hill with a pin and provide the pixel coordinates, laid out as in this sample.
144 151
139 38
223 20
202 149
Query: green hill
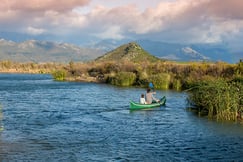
128 52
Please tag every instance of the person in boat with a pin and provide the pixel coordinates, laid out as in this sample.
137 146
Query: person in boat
150 98
142 99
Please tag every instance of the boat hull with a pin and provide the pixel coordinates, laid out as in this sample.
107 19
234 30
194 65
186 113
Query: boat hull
138 106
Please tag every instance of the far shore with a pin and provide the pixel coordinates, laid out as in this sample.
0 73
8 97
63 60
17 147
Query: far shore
71 79
26 71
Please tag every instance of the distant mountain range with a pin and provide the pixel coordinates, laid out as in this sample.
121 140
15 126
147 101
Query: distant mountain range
46 51
192 52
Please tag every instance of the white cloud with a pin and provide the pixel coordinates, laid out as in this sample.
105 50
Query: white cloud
220 31
35 31
113 32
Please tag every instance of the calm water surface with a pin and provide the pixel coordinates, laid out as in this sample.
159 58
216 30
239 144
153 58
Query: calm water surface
44 120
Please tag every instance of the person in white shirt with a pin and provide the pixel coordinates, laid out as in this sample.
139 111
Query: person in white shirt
142 99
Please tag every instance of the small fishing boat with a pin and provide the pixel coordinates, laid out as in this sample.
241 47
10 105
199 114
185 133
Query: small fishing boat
138 106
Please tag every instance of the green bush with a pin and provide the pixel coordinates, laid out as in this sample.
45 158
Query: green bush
239 68
161 81
59 75
123 79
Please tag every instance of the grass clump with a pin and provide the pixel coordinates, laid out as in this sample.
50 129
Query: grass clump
59 75
122 79
218 99
161 81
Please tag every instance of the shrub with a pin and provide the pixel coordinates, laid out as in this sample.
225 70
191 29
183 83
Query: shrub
239 68
123 79
161 81
59 75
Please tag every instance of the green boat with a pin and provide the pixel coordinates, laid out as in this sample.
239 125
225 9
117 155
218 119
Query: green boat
138 106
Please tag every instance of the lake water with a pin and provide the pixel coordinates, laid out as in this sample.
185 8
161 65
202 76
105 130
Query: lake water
44 120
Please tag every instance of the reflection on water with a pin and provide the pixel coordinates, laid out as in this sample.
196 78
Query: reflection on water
60 121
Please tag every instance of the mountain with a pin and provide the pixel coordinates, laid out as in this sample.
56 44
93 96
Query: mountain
182 52
44 51
187 52
128 52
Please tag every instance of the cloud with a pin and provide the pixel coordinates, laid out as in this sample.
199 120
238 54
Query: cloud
169 20
35 31
113 32
201 21
227 9
41 5
132 21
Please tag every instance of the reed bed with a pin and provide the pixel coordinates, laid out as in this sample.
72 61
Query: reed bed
218 99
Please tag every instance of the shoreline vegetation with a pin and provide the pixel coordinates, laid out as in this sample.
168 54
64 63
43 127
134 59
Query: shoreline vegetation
215 89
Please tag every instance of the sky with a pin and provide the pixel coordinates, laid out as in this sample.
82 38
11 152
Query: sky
180 21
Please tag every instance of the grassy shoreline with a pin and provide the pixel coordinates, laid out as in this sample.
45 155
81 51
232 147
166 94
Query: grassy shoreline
29 67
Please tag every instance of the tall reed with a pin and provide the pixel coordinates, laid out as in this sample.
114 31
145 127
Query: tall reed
161 81
220 99
123 79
